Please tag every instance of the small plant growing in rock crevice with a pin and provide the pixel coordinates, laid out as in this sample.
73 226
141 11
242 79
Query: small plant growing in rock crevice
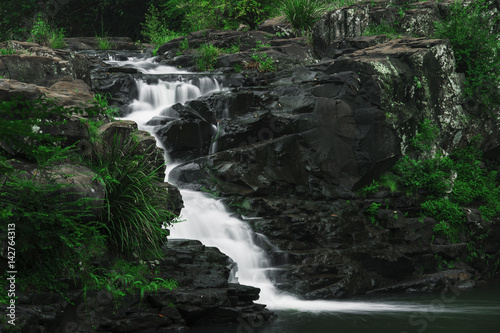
262 62
206 56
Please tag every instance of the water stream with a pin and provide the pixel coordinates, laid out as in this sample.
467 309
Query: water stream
208 221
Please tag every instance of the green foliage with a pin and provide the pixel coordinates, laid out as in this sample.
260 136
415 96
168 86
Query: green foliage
334 4
101 100
264 62
302 14
232 49
426 171
15 16
135 211
449 216
224 14
60 230
369 189
7 51
447 183
473 34
372 211
206 14
206 56
103 43
155 29
384 28
442 263
252 12
184 45
124 278
43 34
25 124
48 219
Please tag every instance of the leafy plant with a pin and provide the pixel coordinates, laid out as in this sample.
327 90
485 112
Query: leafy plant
7 51
372 211
44 34
102 102
302 14
369 189
206 56
25 124
124 278
48 220
62 234
184 45
446 183
103 43
235 48
155 30
263 62
135 210
470 27
252 12
224 14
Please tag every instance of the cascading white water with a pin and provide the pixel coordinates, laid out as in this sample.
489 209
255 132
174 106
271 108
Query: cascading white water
208 221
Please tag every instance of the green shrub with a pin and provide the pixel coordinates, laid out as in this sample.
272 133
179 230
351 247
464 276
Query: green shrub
448 183
252 12
473 34
224 14
424 171
206 57
264 62
135 210
155 30
302 14
103 43
7 51
48 222
449 216
60 237
43 34
124 278
372 211
24 124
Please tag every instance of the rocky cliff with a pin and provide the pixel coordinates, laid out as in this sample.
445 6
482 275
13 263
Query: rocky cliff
294 146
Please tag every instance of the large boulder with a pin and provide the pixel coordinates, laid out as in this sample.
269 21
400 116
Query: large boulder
32 63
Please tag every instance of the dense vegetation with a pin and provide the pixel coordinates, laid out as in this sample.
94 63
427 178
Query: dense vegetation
65 233
101 17
445 183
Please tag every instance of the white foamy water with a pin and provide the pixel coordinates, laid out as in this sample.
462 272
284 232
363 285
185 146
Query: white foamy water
146 66
207 220
155 99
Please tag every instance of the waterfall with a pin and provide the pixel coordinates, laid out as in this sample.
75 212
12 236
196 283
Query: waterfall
207 220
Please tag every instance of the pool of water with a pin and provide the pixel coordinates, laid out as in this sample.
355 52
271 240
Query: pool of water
476 310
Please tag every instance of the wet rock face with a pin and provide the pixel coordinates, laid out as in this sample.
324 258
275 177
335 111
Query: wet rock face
294 146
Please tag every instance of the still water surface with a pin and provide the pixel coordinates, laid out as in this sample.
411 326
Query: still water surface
470 311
